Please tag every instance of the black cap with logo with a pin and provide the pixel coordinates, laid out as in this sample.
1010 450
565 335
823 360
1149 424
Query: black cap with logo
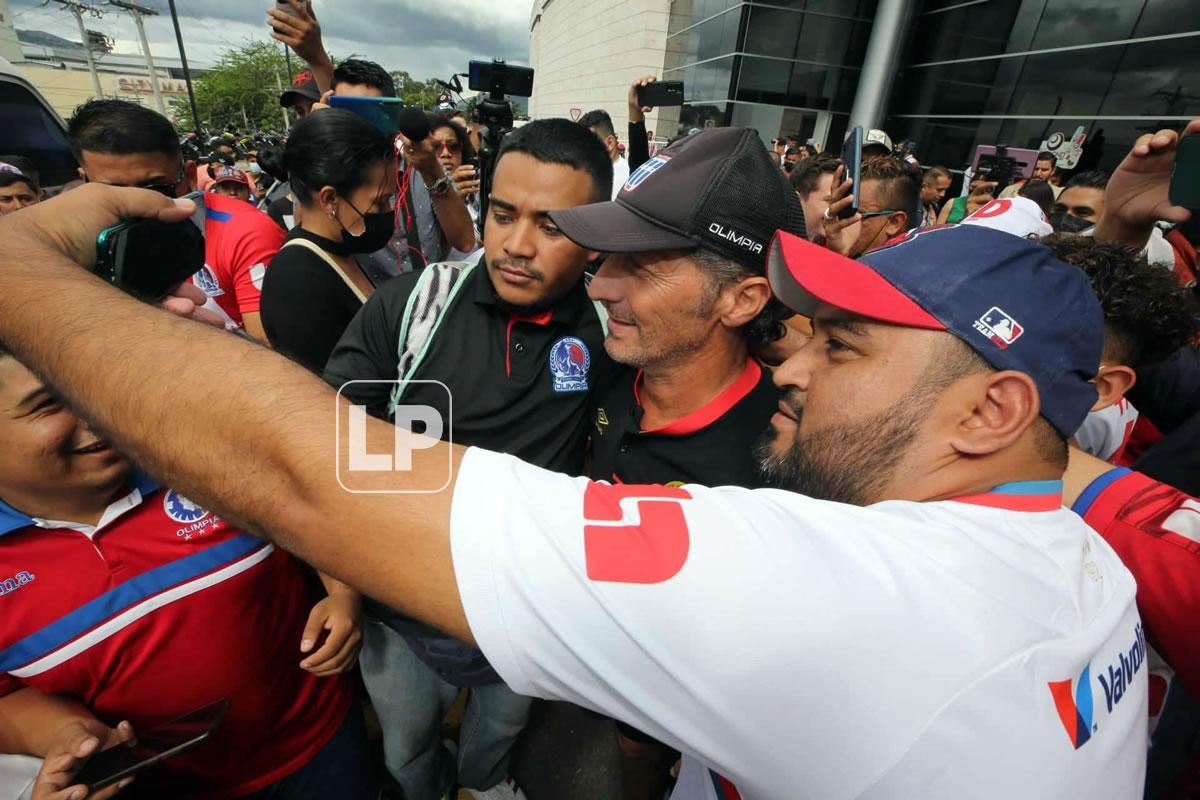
718 189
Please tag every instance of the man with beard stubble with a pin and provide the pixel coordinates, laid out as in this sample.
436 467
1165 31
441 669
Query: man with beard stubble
930 622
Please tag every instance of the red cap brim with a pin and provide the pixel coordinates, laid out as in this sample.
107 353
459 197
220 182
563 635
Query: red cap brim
803 275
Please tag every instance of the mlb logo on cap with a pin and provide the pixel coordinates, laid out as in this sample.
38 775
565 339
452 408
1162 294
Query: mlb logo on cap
1002 329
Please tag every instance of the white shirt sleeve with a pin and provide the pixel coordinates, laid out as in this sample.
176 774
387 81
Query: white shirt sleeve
693 613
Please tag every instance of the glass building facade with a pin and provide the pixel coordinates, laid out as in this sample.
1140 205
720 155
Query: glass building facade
1009 72
786 66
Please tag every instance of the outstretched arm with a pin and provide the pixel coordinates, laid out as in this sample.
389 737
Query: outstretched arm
260 449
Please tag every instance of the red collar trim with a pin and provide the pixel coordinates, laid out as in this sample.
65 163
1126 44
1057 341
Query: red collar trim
714 409
1019 496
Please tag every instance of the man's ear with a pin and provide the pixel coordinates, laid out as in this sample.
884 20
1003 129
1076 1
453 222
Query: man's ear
82 174
994 409
1112 382
897 224
742 301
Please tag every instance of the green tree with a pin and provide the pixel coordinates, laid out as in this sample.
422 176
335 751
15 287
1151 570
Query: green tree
240 93
423 94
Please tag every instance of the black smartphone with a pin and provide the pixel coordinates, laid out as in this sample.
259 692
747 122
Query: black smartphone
148 258
1185 177
153 746
852 160
285 7
484 76
661 93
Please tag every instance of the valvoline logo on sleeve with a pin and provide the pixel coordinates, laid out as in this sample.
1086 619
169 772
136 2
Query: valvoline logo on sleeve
1116 679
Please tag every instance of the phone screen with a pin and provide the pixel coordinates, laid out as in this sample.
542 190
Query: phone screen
852 159
153 746
1185 177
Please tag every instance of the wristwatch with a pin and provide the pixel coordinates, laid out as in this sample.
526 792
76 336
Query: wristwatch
441 186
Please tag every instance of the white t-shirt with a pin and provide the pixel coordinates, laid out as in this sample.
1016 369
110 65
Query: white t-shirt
620 175
807 649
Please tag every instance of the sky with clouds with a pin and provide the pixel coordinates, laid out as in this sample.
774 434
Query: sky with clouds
428 39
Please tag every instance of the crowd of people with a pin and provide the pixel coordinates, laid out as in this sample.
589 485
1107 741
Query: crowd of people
949 549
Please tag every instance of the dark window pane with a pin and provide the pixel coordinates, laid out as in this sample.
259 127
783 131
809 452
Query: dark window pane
1167 16
707 115
1071 83
1070 22
764 80
970 32
773 32
29 130
1157 78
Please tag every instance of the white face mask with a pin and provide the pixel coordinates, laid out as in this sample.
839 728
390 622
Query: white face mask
254 169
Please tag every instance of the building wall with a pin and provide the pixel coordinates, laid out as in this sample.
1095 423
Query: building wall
585 54
64 89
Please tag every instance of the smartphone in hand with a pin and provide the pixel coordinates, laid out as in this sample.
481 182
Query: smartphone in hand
852 160
148 258
1185 178
661 93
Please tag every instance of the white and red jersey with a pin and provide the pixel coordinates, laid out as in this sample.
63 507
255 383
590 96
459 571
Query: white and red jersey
1155 529
1105 433
160 609
239 243
793 648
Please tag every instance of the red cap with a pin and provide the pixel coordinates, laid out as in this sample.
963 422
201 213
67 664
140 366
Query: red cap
803 274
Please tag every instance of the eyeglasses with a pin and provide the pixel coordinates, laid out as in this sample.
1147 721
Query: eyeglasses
882 213
449 145
167 189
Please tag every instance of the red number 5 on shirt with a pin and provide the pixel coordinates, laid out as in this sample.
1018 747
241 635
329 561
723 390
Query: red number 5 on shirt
635 534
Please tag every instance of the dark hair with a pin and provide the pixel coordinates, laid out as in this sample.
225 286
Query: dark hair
270 158
358 72
720 272
600 120
333 147
807 174
441 120
1046 155
1146 312
1092 179
120 127
899 184
560 141
27 168
1039 192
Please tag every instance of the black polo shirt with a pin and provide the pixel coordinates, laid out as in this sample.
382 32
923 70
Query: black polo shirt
515 380
713 445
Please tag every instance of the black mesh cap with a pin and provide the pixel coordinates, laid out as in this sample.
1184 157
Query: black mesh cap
718 189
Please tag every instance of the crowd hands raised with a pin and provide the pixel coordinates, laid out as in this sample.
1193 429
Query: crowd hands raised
632 317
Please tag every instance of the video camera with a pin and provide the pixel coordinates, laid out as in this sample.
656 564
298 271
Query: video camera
494 111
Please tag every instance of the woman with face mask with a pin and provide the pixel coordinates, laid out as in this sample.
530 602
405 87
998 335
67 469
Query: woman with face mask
343 179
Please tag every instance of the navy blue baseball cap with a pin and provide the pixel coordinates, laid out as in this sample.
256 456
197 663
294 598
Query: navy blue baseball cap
1008 298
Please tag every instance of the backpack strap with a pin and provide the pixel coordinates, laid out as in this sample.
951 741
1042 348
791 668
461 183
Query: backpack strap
436 289
321 254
